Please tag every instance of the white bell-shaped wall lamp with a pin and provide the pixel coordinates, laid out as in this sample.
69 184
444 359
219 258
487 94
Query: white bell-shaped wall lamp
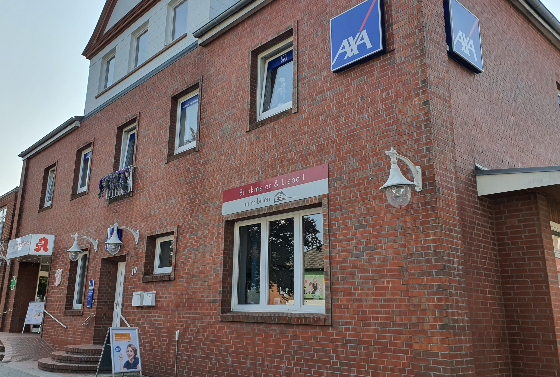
75 250
397 188
114 243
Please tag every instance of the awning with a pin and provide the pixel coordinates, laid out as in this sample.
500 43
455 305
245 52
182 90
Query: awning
544 179
31 246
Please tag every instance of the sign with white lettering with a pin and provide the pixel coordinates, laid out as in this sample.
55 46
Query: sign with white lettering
463 36
357 34
33 244
286 188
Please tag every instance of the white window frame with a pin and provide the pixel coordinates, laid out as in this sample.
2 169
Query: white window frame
80 180
133 57
263 60
75 305
3 211
191 145
163 270
50 187
173 14
263 306
105 70
558 92
124 144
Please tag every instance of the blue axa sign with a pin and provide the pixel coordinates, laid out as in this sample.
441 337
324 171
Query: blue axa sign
463 36
357 34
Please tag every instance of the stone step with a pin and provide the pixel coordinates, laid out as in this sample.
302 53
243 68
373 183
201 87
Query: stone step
50 365
1 356
74 358
2 349
85 349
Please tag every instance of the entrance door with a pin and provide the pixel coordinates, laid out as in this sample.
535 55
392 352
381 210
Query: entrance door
119 295
41 290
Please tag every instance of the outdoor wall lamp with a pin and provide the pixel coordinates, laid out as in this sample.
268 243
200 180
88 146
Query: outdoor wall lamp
114 243
75 250
398 188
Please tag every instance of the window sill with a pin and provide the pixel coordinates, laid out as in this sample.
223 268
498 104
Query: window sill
177 156
76 196
157 277
283 318
270 119
73 312
45 208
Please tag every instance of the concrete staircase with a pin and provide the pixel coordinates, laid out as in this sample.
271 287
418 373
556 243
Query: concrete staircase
82 358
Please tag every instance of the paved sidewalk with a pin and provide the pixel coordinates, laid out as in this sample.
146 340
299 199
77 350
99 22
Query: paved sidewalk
22 347
29 369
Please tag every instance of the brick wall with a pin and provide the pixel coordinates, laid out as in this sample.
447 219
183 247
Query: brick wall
414 291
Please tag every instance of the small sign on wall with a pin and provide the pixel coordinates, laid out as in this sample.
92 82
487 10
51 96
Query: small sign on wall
357 35
90 294
463 36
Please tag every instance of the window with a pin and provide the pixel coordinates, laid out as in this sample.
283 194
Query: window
85 166
80 281
127 147
109 71
558 91
275 80
164 255
3 212
50 188
279 264
141 46
180 12
186 131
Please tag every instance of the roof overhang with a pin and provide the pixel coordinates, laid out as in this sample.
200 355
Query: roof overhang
541 17
59 132
546 179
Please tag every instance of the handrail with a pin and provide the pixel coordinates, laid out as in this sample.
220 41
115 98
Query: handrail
125 321
87 319
60 323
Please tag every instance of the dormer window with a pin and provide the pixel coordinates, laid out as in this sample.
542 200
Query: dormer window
180 12
109 66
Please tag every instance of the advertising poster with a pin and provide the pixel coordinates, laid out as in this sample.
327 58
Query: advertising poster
35 313
125 349
314 285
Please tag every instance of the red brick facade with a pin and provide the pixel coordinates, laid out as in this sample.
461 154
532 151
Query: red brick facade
451 285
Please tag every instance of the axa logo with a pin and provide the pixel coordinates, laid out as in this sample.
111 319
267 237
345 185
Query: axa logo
351 45
467 44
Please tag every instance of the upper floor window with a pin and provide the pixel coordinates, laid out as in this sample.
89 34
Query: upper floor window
127 147
186 130
141 46
279 263
85 166
109 66
50 187
3 212
276 80
180 12
558 91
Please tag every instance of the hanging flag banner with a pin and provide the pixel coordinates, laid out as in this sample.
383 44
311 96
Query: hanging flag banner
286 188
357 35
125 349
463 36
89 304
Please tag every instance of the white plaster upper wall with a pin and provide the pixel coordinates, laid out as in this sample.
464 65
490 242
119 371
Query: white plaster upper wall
120 10
158 35
217 7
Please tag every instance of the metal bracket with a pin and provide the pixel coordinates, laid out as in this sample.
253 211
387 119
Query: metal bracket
135 233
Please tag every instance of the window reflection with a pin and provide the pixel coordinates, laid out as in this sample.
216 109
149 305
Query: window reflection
313 260
248 288
281 262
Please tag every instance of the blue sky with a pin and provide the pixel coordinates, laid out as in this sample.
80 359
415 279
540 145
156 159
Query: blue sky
43 74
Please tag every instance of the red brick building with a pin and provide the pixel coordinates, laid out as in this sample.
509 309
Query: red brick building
251 172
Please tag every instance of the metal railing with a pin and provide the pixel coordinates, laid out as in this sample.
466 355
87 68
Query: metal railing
87 319
60 323
115 193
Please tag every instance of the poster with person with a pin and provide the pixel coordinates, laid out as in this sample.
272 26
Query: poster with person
125 349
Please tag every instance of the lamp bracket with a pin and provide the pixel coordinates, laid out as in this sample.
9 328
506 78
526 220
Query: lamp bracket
135 233
416 170
94 242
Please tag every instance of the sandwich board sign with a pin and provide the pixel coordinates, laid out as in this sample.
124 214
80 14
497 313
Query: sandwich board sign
357 35
34 314
464 43
125 349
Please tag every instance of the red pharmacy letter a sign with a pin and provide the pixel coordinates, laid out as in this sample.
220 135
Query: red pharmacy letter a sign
42 245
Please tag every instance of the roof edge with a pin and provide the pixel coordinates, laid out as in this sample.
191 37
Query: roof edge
541 18
221 17
543 169
9 192
55 134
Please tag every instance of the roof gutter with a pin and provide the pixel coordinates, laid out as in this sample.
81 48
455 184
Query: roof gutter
59 132
541 17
